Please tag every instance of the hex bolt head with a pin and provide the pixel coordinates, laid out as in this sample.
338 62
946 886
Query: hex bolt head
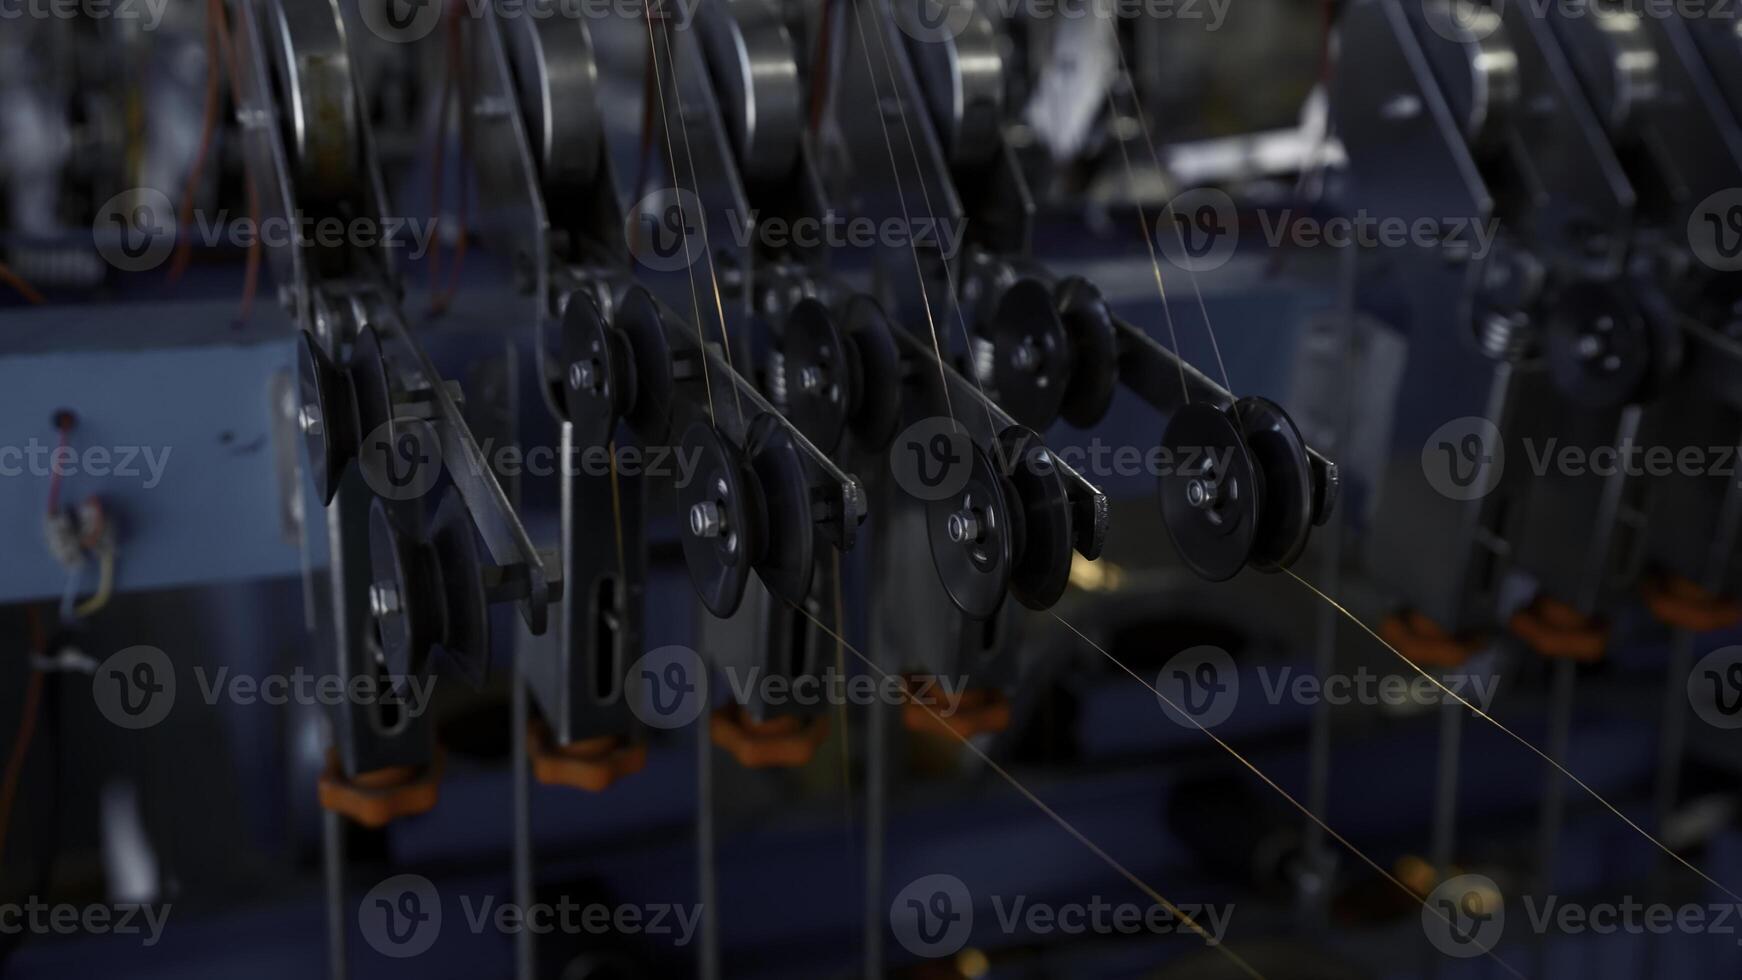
581 375
1202 493
706 519
383 600
963 526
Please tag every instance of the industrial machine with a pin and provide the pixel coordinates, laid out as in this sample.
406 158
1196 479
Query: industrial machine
825 488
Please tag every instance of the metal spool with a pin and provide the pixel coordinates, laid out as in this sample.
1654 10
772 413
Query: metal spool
1478 70
721 517
962 75
428 594
1033 361
305 42
1041 568
785 561
1616 61
597 374
1210 498
1285 514
642 325
973 537
558 83
750 57
1094 344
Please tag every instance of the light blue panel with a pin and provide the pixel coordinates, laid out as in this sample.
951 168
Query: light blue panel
179 378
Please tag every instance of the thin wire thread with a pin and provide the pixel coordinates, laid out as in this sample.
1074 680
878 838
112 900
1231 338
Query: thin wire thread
1521 740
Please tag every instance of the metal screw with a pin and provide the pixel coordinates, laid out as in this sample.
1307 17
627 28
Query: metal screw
963 526
581 375
1202 493
308 419
383 600
706 520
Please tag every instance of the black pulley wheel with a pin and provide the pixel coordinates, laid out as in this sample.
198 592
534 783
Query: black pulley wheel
818 374
1094 352
1031 364
597 380
717 516
642 326
1041 567
327 416
875 412
1599 347
404 597
1285 515
787 561
465 641
973 539
1209 493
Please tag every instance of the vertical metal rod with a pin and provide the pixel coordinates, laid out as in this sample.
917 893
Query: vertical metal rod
876 798
1672 743
1325 654
1554 795
333 866
525 949
708 951
1443 849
